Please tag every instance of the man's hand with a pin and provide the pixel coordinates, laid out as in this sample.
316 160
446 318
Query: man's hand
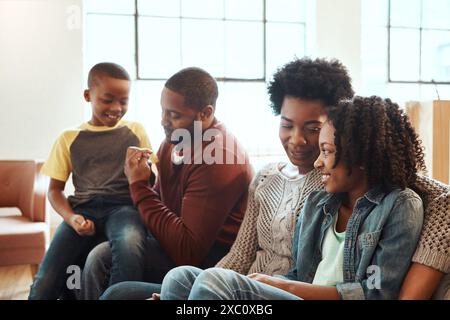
137 167
155 296
82 226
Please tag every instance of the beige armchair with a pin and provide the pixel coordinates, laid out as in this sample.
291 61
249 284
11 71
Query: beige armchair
24 237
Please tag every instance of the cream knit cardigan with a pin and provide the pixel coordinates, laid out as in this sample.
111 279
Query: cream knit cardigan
434 244
264 241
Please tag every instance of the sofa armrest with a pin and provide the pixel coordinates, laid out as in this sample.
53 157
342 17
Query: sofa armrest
39 213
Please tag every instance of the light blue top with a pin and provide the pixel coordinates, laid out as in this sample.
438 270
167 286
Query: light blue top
330 270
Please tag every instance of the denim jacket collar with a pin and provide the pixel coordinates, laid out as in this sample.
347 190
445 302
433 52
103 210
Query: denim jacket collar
332 201
376 194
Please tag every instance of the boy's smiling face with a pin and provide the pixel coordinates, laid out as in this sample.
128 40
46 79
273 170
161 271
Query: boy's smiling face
109 100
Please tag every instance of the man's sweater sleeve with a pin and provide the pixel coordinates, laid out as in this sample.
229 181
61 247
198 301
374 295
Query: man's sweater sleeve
211 192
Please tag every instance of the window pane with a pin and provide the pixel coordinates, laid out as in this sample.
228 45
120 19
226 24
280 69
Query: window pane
203 45
286 10
239 102
110 38
436 55
109 6
374 45
244 58
148 109
166 8
159 47
202 8
375 12
405 13
280 51
244 9
404 53
436 14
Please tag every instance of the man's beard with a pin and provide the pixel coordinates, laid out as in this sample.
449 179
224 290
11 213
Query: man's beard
178 139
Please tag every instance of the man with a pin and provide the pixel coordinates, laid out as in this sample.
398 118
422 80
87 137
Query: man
194 210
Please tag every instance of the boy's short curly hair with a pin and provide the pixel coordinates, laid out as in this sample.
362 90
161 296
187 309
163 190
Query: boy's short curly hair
376 134
319 79
108 69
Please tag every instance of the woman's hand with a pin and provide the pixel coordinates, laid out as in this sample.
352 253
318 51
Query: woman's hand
155 296
271 281
300 289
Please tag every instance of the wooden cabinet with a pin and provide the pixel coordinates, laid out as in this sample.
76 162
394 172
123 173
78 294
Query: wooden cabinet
431 120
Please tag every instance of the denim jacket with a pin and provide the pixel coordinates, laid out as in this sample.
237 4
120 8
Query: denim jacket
381 237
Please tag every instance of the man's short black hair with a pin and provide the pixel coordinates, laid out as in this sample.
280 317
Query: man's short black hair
108 69
197 86
319 79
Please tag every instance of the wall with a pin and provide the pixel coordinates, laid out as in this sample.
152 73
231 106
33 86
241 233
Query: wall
337 27
41 69
41 75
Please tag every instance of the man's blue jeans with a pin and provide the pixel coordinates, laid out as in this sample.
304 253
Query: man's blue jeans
131 290
115 220
190 283
156 264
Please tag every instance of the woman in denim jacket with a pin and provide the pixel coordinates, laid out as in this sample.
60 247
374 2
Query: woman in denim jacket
354 241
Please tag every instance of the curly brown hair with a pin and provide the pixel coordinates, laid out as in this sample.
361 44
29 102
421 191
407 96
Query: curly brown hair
376 134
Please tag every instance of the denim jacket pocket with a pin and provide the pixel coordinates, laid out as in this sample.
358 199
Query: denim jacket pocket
366 245
369 239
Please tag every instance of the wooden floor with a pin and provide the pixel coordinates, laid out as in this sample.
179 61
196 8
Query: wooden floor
15 282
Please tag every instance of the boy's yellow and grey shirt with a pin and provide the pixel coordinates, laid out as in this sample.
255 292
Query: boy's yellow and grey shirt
95 155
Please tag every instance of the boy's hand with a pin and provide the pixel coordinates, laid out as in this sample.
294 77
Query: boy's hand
82 226
137 167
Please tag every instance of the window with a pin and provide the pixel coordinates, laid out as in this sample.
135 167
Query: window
232 39
419 41
240 42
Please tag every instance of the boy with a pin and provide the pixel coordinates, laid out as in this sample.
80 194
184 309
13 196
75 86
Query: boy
101 207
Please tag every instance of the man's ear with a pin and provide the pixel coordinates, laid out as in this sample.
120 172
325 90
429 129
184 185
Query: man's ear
207 112
87 95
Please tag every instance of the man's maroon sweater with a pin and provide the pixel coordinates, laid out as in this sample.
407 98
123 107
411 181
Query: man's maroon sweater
193 206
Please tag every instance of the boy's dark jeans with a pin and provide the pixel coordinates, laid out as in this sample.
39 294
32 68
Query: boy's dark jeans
116 220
